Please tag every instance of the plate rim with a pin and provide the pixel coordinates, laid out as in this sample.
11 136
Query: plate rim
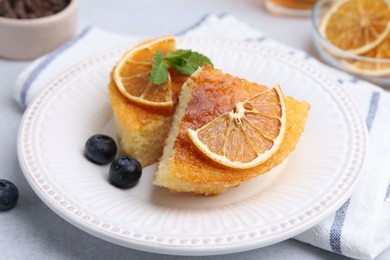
187 249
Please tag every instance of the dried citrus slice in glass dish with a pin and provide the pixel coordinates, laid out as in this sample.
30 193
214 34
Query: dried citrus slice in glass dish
246 136
379 66
356 26
132 74
353 35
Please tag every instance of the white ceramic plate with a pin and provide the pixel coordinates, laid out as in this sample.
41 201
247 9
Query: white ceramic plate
316 179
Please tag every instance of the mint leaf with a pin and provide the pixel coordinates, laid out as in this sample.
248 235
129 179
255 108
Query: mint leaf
177 55
159 72
199 59
186 61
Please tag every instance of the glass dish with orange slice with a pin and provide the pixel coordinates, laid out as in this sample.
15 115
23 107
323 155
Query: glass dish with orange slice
354 35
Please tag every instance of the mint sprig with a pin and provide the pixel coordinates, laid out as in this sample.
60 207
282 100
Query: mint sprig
185 62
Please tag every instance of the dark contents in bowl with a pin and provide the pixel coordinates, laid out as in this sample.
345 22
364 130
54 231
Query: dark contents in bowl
29 9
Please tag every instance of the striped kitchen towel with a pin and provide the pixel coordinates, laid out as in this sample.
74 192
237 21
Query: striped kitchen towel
361 227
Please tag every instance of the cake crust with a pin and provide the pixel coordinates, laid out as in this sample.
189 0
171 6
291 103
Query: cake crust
142 130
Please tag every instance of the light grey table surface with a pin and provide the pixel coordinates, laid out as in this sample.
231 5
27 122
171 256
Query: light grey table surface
32 230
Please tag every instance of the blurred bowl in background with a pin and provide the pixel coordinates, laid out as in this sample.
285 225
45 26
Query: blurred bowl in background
299 8
369 68
24 39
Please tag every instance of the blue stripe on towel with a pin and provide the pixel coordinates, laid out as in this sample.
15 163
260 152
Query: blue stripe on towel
50 57
337 227
372 111
198 23
222 15
194 26
387 193
338 223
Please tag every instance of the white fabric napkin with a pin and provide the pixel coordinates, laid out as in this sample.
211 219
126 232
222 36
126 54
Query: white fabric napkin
361 227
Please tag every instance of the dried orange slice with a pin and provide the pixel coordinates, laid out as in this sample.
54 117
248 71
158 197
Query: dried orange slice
132 74
357 26
246 136
379 66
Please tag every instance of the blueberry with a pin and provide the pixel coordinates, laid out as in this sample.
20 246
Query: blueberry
125 172
9 195
100 149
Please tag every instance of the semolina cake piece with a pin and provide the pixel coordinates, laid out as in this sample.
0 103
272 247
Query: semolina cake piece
142 110
142 130
207 94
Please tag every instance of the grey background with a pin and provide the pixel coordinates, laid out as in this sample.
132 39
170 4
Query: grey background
32 230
